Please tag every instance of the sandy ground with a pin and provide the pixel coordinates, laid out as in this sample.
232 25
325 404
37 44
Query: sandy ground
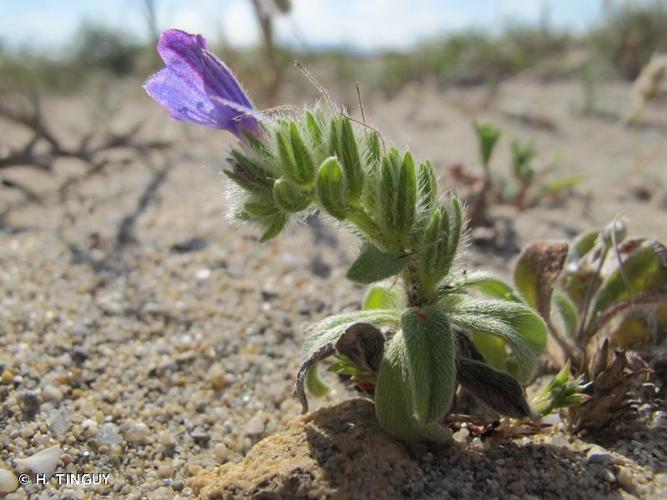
176 350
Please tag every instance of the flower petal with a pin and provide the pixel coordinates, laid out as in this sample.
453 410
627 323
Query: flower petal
197 87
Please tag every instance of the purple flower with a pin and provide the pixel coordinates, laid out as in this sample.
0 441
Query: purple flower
197 87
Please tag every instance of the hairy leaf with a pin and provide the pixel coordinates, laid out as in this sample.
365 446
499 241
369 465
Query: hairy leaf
643 271
536 272
568 313
363 344
497 389
383 296
517 324
374 265
430 356
393 398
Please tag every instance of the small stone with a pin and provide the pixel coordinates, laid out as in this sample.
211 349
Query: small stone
30 402
89 427
221 453
166 438
625 478
477 444
217 378
518 488
8 481
7 377
42 462
108 434
559 441
608 476
135 432
660 419
254 426
164 470
58 422
178 485
200 437
52 393
461 436
598 455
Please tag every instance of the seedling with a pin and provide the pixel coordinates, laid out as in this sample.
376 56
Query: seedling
410 345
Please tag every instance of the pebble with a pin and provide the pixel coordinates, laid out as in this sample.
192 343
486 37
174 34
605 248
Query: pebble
89 427
8 481
135 432
166 438
108 434
42 462
461 436
52 393
164 470
254 426
30 402
625 478
608 476
221 453
200 437
598 455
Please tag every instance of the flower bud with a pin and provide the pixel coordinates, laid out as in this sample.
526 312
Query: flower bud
289 196
296 164
343 144
428 187
330 188
406 196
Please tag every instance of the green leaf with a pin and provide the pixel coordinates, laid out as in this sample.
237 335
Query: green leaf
314 129
568 312
492 348
536 272
406 197
393 399
562 184
330 188
487 137
305 165
314 384
275 225
517 324
322 337
374 265
289 196
643 271
428 187
383 296
350 159
485 282
430 358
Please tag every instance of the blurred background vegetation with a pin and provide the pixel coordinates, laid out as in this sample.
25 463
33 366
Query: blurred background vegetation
617 46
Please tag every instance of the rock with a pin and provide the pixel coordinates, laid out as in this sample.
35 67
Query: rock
254 426
8 481
135 432
200 437
30 403
625 478
598 455
109 435
89 427
221 453
58 422
461 436
335 452
42 462
52 393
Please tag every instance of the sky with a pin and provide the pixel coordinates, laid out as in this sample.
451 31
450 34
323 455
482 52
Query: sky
359 24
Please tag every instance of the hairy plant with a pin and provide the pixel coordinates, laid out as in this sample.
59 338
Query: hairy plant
410 344
608 293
